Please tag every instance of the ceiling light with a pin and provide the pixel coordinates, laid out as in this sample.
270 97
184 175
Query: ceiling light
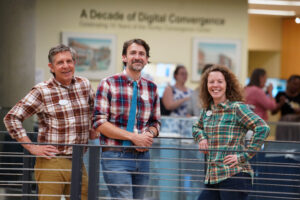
271 12
276 3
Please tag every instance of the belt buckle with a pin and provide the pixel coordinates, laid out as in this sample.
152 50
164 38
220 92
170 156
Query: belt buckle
130 150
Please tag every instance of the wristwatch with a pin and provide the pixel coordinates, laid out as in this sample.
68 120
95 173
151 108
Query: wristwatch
152 132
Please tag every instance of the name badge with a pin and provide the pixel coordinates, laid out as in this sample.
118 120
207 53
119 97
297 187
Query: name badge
63 102
209 113
145 97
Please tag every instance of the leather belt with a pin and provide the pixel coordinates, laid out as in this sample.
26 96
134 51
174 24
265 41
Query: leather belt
120 149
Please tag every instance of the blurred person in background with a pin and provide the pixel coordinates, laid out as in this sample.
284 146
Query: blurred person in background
289 107
175 97
222 127
255 95
64 107
194 104
289 100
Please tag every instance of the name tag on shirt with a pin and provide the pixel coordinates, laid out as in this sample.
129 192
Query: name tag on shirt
63 102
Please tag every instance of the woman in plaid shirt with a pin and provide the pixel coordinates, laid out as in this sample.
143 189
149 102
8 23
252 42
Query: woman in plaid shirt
221 131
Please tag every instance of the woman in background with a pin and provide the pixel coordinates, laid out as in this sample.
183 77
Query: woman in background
220 132
289 106
257 97
175 97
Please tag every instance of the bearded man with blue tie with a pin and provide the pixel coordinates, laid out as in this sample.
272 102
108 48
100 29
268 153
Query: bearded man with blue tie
127 114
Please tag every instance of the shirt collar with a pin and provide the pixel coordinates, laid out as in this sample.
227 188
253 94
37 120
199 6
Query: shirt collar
129 79
56 82
223 105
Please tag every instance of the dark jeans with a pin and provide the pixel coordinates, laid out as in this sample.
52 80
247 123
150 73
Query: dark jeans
233 183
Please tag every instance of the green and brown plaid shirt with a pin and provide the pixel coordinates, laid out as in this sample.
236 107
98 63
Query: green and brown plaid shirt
225 127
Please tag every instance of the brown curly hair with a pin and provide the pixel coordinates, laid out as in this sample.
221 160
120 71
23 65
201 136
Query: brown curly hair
234 90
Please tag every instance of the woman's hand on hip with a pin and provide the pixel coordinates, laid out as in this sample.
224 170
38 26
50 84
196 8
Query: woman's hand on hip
231 160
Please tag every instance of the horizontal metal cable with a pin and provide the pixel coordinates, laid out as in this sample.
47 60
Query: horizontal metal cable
280 174
10 174
276 164
202 170
33 156
6 132
174 169
274 197
196 175
11 163
277 185
196 189
11 185
33 195
37 182
147 173
202 181
109 198
14 153
178 180
37 169
178 160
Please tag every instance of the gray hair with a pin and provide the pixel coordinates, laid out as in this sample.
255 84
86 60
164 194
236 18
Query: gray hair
61 48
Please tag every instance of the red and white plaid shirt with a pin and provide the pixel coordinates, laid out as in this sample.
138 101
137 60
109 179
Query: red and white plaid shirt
112 104
64 113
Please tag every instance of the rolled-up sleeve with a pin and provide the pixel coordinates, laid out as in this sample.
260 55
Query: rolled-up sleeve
102 104
198 129
154 119
260 131
26 107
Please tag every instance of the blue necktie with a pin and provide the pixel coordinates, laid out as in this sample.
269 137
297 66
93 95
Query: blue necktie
132 112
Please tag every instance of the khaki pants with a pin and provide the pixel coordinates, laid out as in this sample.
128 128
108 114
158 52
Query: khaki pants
57 175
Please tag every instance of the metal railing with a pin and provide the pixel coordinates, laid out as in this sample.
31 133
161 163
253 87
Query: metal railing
176 170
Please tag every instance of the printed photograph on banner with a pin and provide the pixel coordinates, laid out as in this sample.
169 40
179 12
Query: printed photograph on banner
215 51
96 53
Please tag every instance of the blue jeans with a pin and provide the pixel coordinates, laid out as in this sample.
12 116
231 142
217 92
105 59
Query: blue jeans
233 183
122 172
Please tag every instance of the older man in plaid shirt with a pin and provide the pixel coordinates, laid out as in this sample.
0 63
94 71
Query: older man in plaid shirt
64 106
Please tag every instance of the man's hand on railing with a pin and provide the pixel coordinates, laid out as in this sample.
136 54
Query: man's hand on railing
46 151
143 140
231 159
